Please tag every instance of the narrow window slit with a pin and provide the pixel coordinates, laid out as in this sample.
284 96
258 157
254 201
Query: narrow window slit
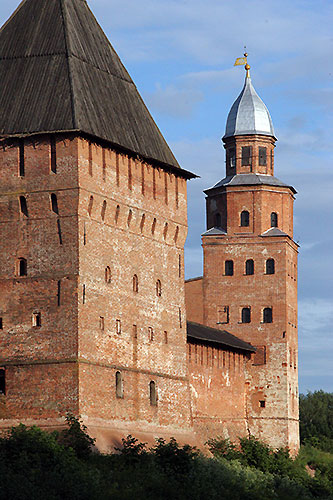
53 146
21 159
59 231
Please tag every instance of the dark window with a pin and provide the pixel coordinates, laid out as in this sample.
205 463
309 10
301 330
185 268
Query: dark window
249 267
262 156
59 231
103 210
268 315
180 318
245 218
218 220
23 206
36 319
176 234
107 275
232 158
152 394
90 206
84 294
53 155
274 219
229 267
101 322
116 217
246 155
21 159
135 284
166 340
270 266
118 326
158 288
2 381
119 385
1 324
246 315
165 231
54 203
262 404
150 334
142 223
22 267
153 227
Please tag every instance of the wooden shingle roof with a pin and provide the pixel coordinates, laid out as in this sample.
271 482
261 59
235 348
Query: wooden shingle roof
59 72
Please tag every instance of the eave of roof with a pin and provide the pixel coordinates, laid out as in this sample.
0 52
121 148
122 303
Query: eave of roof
204 333
249 180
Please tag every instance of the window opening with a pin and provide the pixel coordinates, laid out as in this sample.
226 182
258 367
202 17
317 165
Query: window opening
90 159
90 206
54 203
36 320
107 274
53 145
150 334
246 156
129 218
270 266
179 266
158 288
142 223
268 315
166 339
119 385
104 165
22 267
1 324
153 227
274 219
262 404
176 234
249 267
59 231
180 318
262 156
118 326
245 219
165 231
84 294
103 210
101 323
232 158
2 381
116 217
117 169
135 283
152 394
21 159
246 315
24 206
229 267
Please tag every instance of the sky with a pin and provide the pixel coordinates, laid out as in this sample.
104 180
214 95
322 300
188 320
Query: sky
180 54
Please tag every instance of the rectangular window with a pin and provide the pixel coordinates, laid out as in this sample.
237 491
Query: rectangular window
90 164
101 322
36 320
118 326
259 355
166 339
180 317
21 159
2 381
53 155
246 156
232 158
84 294
262 156
104 164
1 324
262 404
150 334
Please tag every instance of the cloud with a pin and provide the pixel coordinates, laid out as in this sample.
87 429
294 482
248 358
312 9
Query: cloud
173 101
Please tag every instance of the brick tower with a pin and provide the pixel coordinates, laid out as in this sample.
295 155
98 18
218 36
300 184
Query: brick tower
249 282
93 225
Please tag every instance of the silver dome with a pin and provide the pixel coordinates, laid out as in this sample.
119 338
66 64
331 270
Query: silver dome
248 114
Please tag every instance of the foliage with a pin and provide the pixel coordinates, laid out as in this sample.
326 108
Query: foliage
36 465
316 419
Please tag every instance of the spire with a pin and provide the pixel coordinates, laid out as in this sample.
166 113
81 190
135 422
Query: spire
62 74
248 114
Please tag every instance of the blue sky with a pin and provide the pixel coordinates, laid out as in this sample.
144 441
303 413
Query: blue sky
180 54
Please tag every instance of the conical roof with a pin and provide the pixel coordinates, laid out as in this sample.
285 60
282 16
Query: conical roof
59 72
248 114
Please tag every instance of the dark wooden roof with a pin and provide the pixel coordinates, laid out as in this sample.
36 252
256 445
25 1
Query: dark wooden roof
195 331
59 72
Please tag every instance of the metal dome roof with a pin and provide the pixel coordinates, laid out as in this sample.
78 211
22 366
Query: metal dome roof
248 114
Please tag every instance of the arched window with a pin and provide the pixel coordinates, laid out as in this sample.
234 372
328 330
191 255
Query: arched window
119 385
103 210
274 219
24 206
165 231
90 206
249 267
135 284
37 319
54 203
107 274
22 267
218 221
153 227
142 223
158 288
270 266
129 218
245 219
268 315
246 315
153 394
229 267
